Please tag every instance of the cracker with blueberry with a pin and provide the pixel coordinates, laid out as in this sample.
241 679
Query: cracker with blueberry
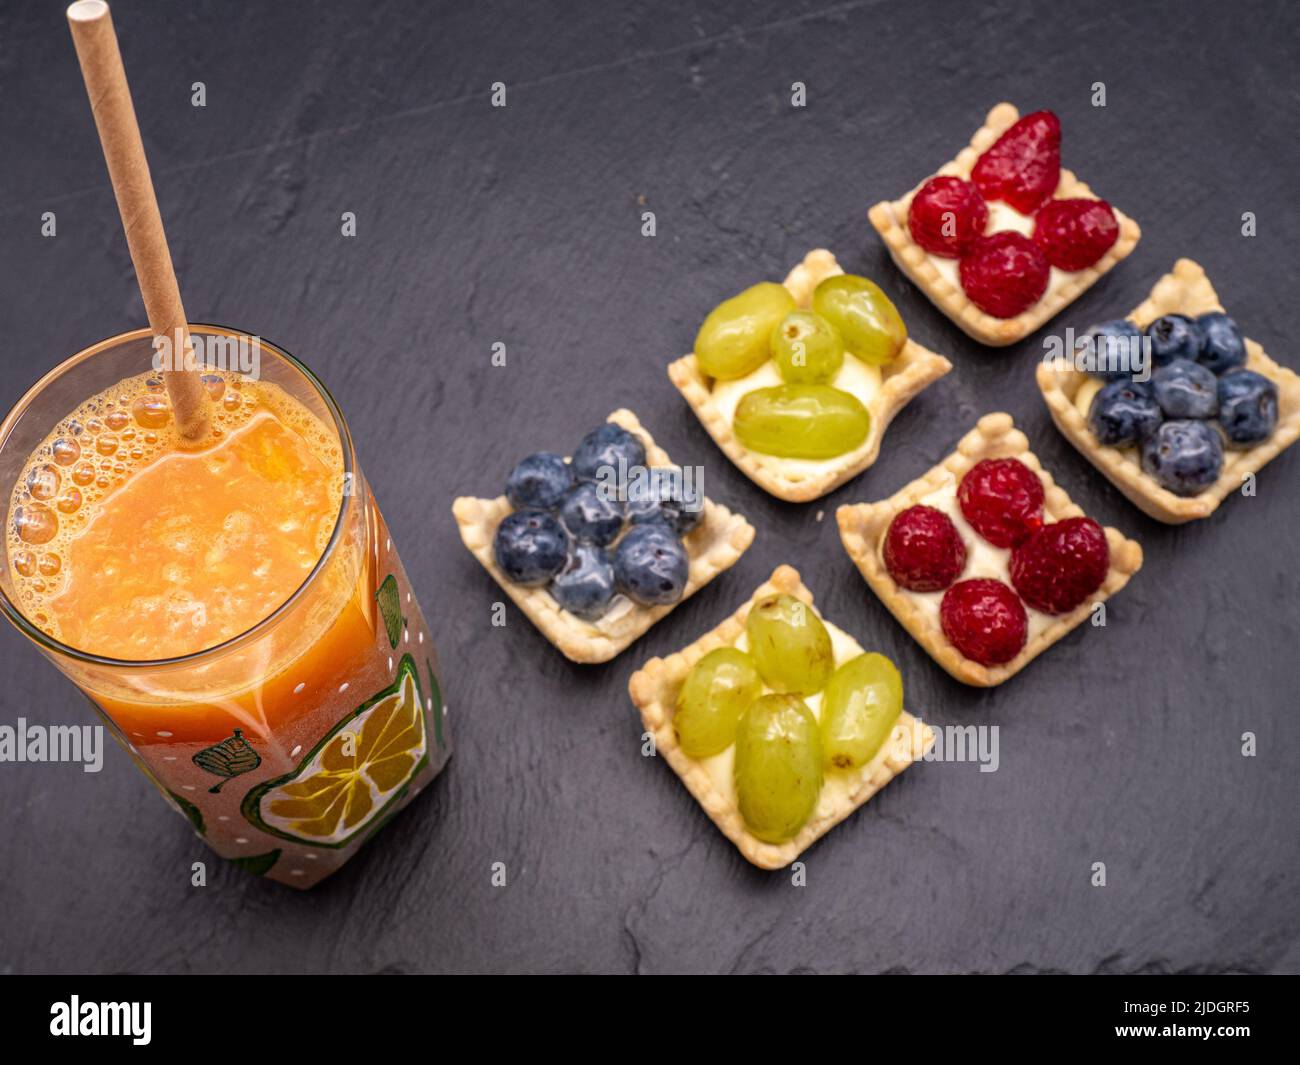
985 560
1003 238
596 548
1215 409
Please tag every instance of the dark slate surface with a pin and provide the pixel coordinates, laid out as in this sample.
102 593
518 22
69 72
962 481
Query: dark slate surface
522 225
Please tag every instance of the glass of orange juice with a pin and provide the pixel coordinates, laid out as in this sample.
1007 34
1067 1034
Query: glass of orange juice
235 611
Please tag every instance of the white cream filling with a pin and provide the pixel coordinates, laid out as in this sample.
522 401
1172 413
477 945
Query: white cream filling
838 783
1084 396
1001 216
854 377
982 560
612 621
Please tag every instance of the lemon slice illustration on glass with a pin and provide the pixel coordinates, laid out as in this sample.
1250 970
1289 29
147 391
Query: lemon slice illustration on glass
349 780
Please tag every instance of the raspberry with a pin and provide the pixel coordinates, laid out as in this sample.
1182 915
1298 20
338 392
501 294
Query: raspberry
923 550
1004 273
1061 564
984 620
1002 499
1074 234
1024 165
946 215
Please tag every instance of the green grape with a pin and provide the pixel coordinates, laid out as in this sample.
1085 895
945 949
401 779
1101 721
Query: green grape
861 703
801 421
734 338
871 326
778 767
789 644
716 692
807 349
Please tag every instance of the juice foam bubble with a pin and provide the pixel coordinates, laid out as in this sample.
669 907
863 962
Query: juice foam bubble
116 436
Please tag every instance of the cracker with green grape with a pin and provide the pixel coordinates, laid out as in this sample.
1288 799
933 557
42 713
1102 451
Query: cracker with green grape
913 370
654 690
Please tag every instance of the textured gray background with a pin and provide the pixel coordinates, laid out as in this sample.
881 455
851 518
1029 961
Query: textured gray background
522 225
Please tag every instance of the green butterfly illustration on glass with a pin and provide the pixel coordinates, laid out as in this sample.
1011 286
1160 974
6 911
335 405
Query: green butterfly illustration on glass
192 813
258 864
390 608
230 758
435 695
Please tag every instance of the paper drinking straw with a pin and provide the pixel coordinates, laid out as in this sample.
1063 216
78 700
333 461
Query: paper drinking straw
110 100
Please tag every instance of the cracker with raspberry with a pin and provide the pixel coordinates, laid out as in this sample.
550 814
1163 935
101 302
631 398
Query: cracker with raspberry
951 236
1184 290
985 560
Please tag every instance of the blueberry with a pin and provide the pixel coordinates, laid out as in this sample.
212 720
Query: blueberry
592 514
1247 407
1224 347
1123 413
1186 389
1175 336
651 566
1185 457
1115 346
585 585
530 546
603 448
662 494
540 481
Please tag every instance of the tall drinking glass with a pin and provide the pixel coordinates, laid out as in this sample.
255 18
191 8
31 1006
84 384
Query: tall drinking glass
316 716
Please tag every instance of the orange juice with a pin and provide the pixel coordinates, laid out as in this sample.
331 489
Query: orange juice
138 549
271 669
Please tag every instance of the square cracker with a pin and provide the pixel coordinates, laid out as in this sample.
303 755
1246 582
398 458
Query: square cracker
890 220
863 527
713 546
1185 290
913 369
654 690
